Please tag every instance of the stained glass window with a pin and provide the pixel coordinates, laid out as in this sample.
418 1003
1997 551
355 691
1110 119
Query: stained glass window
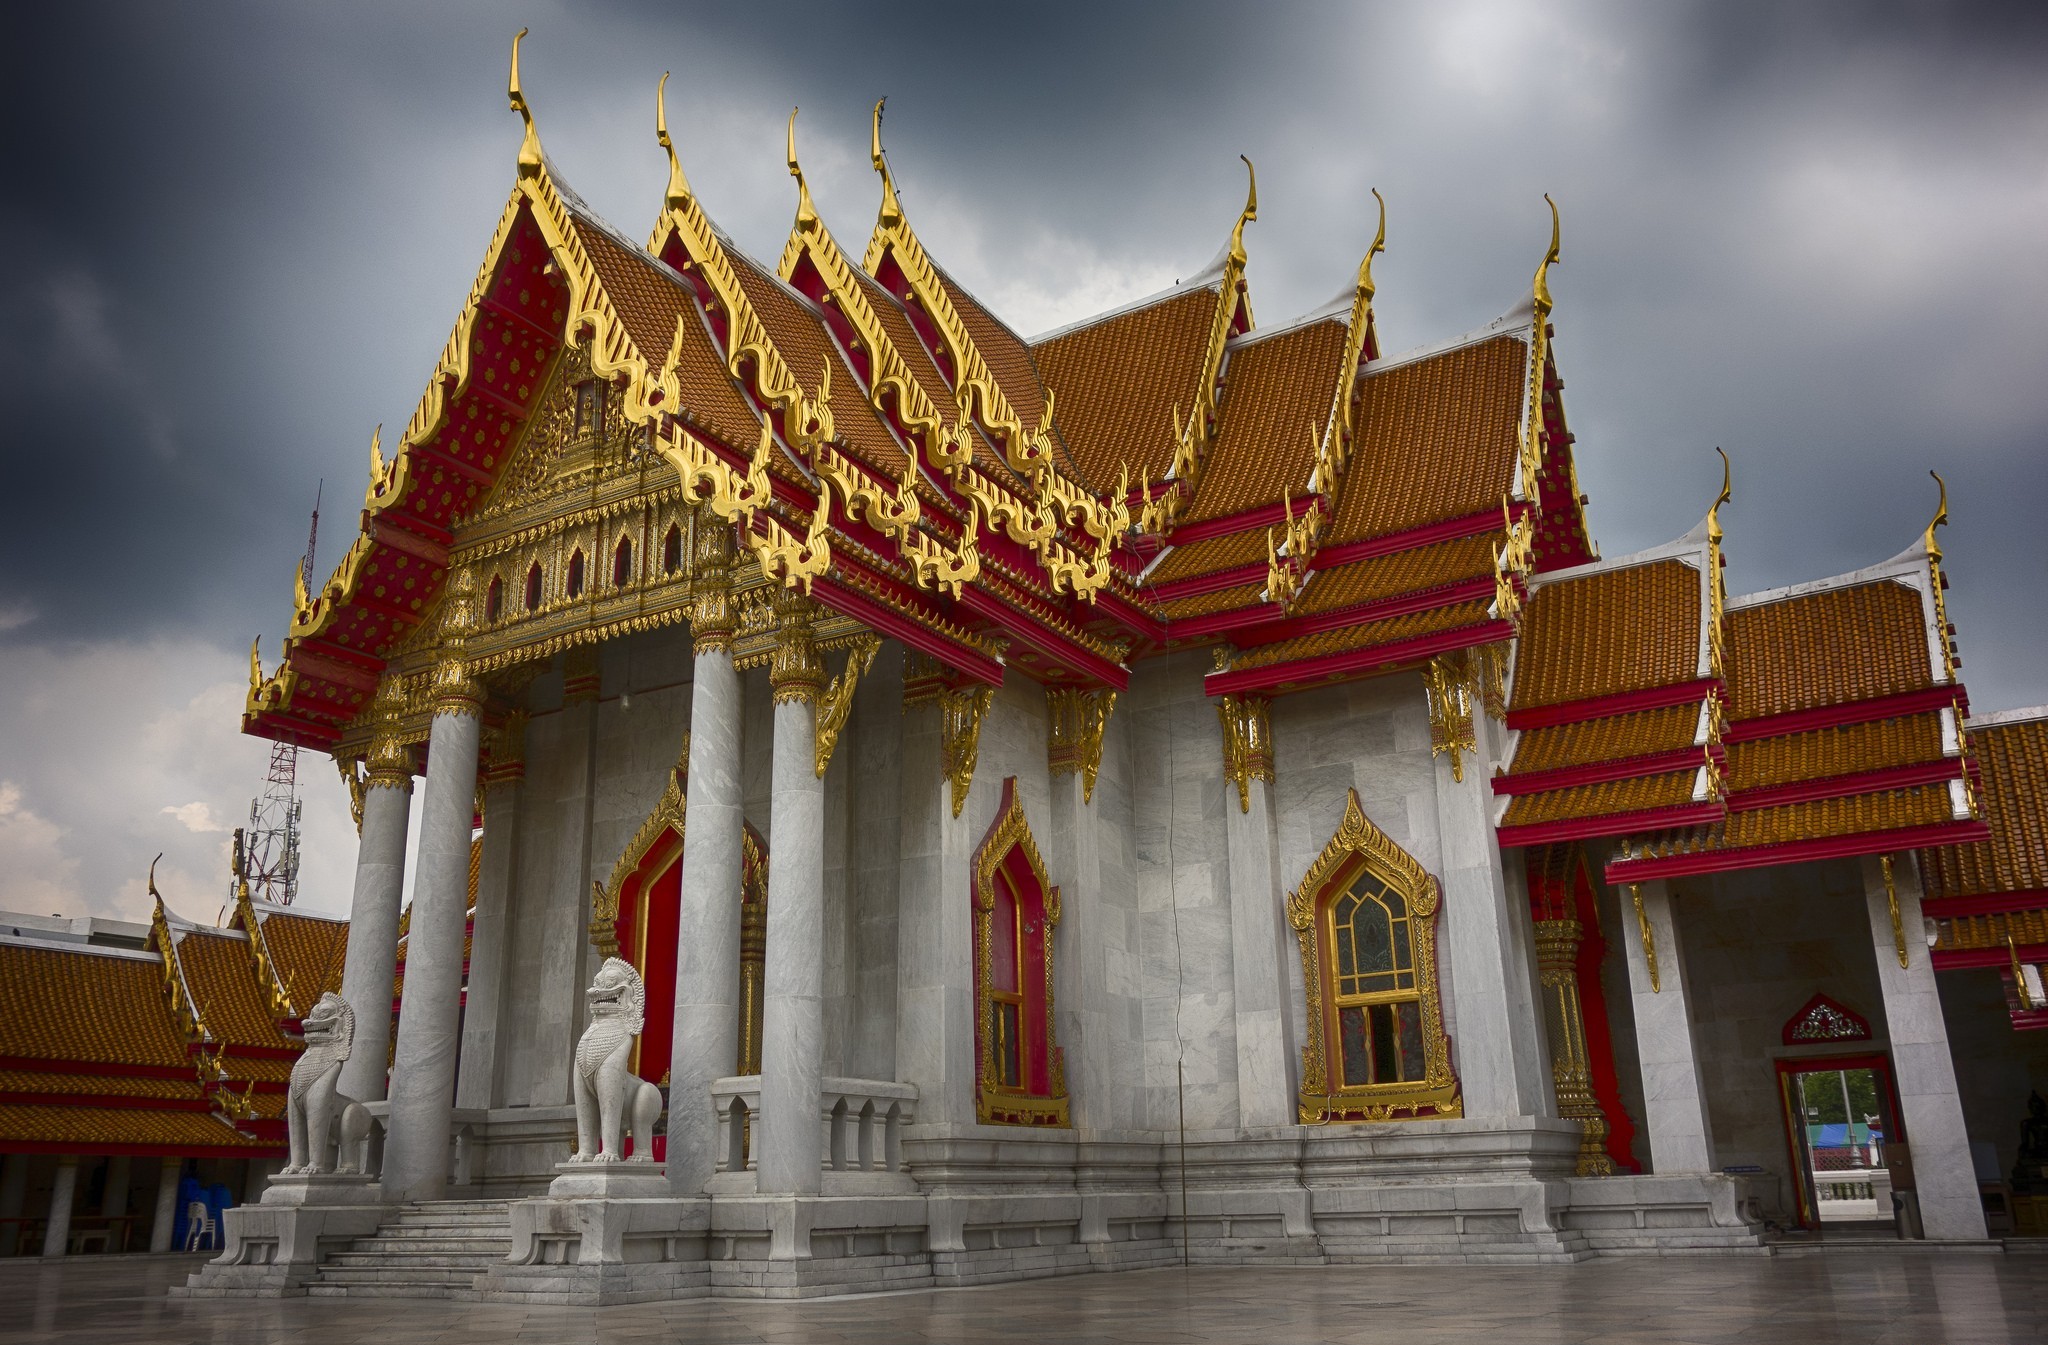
1378 1009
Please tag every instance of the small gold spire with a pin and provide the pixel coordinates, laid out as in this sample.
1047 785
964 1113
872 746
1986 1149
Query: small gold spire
529 146
1542 286
806 212
255 664
678 194
1379 245
1247 215
891 212
1940 517
1714 511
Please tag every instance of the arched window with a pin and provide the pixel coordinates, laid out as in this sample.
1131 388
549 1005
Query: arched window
1366 917
494 598
672 549
575 586
1020 1078
533 587
622 563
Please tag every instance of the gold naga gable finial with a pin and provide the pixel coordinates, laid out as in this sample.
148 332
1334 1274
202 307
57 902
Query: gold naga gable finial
678 193
1541 289
255 664
1940 518
529 145
1727 493
806 211
1247 215
891 212
1366 288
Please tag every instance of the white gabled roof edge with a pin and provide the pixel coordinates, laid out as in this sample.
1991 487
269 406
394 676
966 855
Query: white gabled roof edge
1520 318
1209 280
1910 567
1993 719
27 940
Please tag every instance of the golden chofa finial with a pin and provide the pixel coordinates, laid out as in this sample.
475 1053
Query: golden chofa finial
255 663
1714 512
529 146
806 212
678 194
891 212
1541 289
1940 517
1247 215
1379 245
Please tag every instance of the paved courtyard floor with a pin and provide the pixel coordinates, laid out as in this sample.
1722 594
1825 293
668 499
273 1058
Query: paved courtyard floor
1870 1297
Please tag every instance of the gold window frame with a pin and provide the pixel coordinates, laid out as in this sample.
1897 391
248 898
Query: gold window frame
1359 846
995 1105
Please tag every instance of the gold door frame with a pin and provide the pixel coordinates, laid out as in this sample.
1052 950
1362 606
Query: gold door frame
1360 846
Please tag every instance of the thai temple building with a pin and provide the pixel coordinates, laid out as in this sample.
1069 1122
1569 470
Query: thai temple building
1176 787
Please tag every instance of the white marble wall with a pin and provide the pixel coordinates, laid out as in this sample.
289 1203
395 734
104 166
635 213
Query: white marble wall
1677 1123
1996 1067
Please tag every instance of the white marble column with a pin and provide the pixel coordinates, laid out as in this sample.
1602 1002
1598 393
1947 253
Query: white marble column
706 1041
1922 1069
792 1028
1503 1069
934 937
372 960
1265 1061
166 1204
476 1079
423 1069
57 1232
1674 1102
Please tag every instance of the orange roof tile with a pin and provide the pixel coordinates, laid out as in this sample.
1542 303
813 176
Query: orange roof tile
1210 555
1609 632
896 326
1223 600
1436 438
1828 648
1118 380
1389 630
308 954
1411 571
1991 930
1670 790
2014 760
111 1085
235 1009
1844 750
94 1128
1274 389
1818 819
60 1005
1611 739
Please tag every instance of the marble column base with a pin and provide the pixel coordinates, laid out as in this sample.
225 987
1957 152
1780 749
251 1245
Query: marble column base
274 1246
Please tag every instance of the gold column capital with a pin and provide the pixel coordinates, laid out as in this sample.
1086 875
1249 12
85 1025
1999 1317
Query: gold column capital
796 674
713 617
961 710
390 763
580 675
1075 721
455 691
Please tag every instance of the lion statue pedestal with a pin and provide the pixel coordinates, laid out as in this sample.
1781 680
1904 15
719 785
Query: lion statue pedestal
609 1229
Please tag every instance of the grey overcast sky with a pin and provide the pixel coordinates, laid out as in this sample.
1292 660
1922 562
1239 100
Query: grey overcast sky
1812 234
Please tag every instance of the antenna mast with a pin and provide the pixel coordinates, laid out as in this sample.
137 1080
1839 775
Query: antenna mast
267 850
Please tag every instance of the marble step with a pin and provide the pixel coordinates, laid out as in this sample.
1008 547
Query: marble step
448 1261
346 1277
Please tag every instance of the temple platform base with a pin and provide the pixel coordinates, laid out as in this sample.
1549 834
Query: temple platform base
274 1247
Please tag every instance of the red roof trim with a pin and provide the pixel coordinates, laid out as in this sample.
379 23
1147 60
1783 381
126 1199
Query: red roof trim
1603 707
1333 667
1841 786
1795 852
1613 824
1265 516
1985 903
1958 959
1027 631
1598 772
1386 544
1853 712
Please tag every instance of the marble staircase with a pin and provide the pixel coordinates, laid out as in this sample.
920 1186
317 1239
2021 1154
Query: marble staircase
429 1249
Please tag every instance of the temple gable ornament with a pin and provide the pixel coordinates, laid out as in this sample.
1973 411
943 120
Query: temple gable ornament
610 1099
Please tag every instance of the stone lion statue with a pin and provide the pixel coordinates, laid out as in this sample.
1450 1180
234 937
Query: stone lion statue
608 1094
326 1128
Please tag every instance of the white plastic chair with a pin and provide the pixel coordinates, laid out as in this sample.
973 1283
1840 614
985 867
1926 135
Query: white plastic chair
199 1226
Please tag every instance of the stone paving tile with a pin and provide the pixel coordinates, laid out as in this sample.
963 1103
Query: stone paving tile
1865 1297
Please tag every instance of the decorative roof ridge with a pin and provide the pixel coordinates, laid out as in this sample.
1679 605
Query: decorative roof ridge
267 909
1330 312
1519 320
1993 719
1690 548
1138 305
1906 568
23 940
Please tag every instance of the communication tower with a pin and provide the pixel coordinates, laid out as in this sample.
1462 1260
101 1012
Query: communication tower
267 850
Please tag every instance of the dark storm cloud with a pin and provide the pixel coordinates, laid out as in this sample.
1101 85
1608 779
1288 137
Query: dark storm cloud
1807 233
